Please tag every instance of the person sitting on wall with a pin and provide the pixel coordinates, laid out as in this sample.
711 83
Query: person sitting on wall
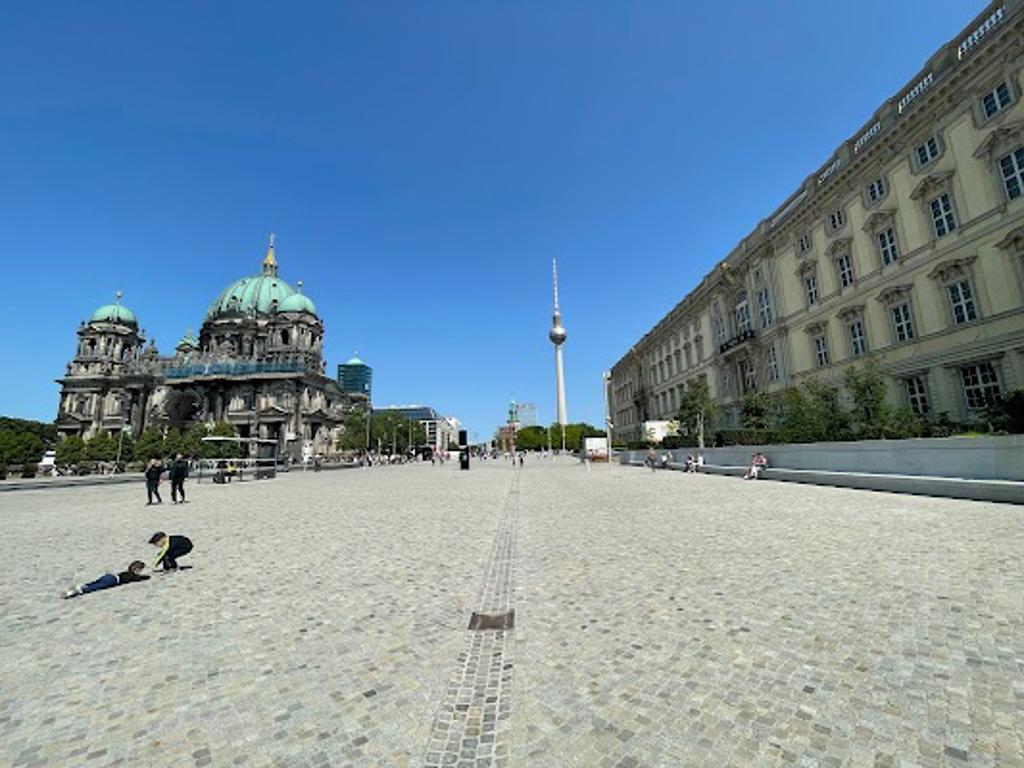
757 463
700 462
691 463
665 458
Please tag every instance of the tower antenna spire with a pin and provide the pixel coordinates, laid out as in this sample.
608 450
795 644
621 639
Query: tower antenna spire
554 273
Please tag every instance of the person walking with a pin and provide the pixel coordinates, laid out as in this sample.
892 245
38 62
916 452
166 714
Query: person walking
153 472
177 474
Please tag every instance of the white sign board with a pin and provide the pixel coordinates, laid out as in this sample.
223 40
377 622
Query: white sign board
595 446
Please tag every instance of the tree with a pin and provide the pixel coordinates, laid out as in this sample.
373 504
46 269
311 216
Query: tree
532 438
1007 414
150 445
696 408
70 450
871 415
757 408
192 443
353 431
174 442
100 447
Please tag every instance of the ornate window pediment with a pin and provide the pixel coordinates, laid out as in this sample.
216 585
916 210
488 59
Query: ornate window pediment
932 185
953 269
817 328
852 312
838 247
895 293
1001 140
805 266
879 220
1013 242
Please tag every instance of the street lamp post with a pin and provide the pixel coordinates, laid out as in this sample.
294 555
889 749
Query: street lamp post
608 415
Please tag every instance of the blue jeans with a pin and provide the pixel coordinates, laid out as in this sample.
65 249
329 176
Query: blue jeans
106 581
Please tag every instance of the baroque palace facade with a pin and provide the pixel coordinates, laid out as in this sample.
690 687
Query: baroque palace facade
257 364
907 246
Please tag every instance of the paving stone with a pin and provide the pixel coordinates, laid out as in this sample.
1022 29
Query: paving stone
661 620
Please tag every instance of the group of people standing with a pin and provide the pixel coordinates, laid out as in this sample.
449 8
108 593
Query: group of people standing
177 472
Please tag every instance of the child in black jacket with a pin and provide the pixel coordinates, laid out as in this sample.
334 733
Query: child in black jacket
109 580
171 548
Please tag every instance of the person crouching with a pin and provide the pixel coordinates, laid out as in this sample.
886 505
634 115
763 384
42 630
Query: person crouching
171 548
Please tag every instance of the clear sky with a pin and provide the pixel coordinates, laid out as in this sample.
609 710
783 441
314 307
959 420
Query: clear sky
420 163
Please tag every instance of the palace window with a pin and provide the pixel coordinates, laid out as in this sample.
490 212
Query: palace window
803 245
844 267
1012 168
836 220
689 357
858 339
943 220
764 307
747 378
917 395
742 313
876 190
888 250
902 321
961 300
927 152
772 365
981 385
721 332
996 100
820 350
811 288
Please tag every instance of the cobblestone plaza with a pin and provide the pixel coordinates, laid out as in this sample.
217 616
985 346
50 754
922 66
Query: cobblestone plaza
660 619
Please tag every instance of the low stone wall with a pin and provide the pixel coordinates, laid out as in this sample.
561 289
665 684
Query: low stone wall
976 458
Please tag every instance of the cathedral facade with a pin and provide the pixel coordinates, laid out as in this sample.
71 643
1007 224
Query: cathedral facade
256 364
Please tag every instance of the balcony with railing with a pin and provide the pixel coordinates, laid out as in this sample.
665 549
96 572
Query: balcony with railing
736 341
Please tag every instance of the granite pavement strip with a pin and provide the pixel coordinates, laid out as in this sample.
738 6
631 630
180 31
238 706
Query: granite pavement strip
661 620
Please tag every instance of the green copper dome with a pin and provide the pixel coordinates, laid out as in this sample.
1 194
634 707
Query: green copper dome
113 313
261 294
297 302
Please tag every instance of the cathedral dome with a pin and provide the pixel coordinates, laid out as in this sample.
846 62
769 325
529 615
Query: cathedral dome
114 313
261 294
297 302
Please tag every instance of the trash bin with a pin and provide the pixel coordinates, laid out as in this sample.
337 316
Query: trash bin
464 458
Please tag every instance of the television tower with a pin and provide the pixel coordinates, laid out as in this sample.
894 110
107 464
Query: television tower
557 335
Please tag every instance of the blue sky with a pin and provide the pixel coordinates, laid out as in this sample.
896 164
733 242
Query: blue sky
420 163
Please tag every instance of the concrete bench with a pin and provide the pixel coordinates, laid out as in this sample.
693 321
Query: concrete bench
926 485
949 487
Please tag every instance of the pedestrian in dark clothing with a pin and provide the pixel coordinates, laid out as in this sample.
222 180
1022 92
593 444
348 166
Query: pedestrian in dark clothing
171 548
178 473
153 472
108 580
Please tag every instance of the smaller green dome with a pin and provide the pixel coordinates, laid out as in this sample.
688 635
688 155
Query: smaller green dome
355 361
188 340
113 313
297 303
